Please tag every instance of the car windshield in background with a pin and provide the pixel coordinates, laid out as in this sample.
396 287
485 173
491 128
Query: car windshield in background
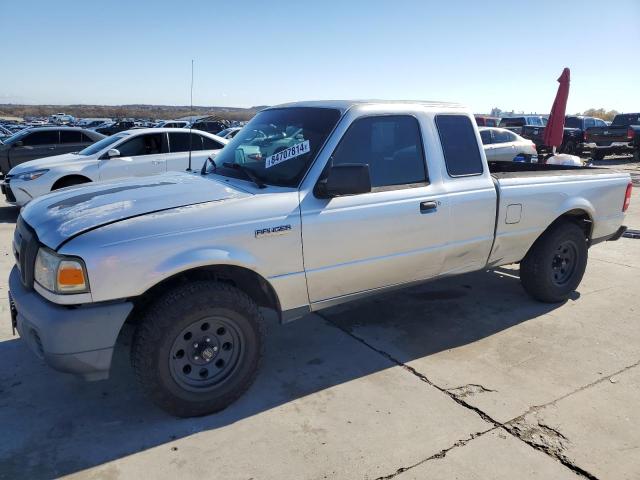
626 120
277 145
15 137
105 142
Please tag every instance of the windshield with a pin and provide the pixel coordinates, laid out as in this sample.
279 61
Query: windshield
223 132
105 142
15 137
277 145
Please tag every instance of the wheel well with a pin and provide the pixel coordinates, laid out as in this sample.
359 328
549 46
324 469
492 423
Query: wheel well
66 181
248 281
581 218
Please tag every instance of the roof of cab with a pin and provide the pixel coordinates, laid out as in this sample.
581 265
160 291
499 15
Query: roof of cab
344 105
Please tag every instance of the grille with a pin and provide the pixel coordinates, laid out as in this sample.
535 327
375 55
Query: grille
26 248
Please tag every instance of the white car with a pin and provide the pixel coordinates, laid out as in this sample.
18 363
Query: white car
132 153
229 133
502 145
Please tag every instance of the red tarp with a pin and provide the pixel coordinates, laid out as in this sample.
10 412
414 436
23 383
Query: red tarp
555 127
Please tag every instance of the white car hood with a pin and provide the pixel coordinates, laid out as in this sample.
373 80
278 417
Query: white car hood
48 162
64 214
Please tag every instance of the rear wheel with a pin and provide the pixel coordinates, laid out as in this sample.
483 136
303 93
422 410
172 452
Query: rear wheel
598 155
555 264
197 349
636 155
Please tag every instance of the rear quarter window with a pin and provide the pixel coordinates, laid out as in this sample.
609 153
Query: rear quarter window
459 145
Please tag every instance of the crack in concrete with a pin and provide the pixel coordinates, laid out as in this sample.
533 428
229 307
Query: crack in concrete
469 390
536 408
436 456
513 427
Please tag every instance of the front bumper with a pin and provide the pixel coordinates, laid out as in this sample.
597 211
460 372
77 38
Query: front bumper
78 339
15 195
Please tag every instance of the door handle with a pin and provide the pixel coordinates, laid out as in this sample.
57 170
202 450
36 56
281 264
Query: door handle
428 206
51 148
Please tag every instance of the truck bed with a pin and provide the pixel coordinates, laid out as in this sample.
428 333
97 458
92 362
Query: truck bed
503 170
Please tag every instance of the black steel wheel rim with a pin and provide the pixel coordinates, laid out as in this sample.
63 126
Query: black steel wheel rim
563 264
206 353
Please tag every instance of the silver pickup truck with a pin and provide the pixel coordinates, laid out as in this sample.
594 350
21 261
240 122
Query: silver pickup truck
357 198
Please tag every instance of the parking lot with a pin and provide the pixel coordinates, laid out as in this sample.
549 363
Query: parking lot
465 377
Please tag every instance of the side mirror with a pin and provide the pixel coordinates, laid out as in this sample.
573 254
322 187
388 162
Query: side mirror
113 152
344 179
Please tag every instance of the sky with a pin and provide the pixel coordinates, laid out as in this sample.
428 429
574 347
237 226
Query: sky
484 54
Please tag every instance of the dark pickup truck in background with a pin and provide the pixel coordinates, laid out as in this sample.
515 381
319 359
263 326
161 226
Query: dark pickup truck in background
622 136
515 124
573 139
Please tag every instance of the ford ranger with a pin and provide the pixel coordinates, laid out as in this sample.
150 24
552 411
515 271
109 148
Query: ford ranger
364 197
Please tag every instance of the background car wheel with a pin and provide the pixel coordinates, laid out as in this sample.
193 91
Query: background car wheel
197 349
555 264
636 156
598 155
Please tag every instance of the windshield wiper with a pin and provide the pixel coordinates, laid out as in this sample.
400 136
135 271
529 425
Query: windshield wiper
247 172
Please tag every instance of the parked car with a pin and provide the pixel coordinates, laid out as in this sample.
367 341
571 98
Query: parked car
4 133
116 127
38 142
229 133
93 122
373 196
172 124
515 124
573 138
486 121
622 136
502 145
134 153
211 126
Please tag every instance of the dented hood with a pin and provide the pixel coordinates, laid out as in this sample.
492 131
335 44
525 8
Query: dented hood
64 214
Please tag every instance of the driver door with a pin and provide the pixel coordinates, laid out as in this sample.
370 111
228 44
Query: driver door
140 156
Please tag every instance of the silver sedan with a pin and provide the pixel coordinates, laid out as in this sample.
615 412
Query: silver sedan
503 145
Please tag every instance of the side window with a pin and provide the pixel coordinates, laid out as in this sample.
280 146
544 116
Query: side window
485 135
390 145
70 136
210 144
86 139
503 136
589 122
142 145
45 137
179 142
600 123
459 145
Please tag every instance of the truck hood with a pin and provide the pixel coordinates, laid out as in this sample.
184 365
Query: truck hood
64 214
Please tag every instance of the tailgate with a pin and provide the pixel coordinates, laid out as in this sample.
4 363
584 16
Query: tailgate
603 137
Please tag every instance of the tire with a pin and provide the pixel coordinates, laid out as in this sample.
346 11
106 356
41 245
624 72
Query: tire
636 155
569 148
69 182
555 264
598 155
172 349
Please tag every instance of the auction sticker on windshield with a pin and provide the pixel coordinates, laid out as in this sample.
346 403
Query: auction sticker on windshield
287 154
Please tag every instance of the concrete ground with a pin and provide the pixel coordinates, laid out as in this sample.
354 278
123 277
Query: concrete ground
464 378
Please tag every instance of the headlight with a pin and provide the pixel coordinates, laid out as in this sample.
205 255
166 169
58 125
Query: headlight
32 175
60 274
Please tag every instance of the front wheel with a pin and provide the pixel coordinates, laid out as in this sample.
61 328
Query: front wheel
197 349
555 264
598 155
569 148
